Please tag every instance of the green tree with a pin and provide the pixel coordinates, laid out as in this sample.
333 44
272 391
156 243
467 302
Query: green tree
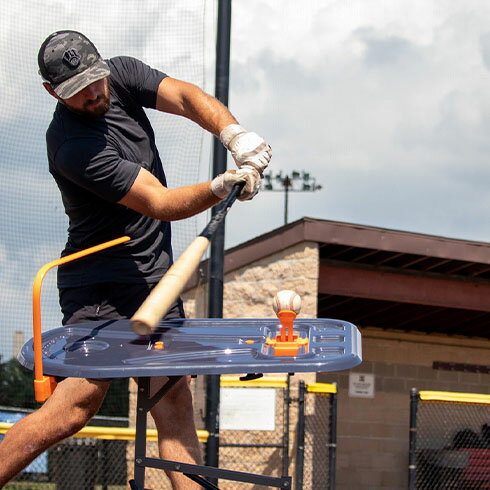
116 403
17 390
16 385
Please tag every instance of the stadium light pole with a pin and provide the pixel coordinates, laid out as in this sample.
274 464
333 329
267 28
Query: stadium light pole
217 251
296 182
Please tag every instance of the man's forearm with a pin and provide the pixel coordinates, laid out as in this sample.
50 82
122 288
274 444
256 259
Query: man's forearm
188 100
208 112
184 202
166 204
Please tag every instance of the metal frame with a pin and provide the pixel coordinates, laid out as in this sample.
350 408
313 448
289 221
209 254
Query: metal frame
300 448
194 472
412 451
331 445
416 397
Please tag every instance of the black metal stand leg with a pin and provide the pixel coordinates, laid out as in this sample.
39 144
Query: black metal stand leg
133 486
140 439
144 404
191 471
207 485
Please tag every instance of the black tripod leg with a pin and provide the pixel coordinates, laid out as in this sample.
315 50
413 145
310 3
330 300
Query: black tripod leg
204 483
140 439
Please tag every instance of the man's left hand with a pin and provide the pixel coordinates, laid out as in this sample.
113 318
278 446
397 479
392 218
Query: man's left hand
222 185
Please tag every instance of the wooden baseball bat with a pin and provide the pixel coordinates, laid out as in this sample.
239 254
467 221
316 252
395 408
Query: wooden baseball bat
166 292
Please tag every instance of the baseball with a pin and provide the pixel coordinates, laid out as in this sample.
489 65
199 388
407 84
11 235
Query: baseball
286 300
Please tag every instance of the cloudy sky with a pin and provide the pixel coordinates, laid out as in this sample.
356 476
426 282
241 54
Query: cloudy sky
385 102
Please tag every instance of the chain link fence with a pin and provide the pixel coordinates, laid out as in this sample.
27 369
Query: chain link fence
250 442
101 456
317 435
449 441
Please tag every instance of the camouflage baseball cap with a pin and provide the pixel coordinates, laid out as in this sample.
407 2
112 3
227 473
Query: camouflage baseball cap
69 62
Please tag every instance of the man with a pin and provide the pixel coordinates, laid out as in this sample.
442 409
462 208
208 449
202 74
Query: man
102 154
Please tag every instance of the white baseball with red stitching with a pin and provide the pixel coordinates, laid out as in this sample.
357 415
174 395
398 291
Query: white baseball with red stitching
286 300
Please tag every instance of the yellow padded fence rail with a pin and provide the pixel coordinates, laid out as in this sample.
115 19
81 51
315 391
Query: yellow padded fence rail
448 396
114 433
321 388
129 433
234 382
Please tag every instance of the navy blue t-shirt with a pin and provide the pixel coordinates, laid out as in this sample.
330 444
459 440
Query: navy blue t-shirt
95 161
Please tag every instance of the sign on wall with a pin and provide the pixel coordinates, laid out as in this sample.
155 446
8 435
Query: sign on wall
361 385
247 409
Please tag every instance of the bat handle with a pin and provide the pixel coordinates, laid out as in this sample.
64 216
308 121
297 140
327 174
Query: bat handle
221 211
235 192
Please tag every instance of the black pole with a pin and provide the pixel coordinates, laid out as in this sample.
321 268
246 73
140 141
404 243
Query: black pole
300 450
287 185
285 440
332 450
215 281
412 454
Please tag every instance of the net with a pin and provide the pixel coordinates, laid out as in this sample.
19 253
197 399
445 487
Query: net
173 36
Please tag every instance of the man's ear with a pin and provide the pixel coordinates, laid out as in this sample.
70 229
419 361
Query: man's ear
51 91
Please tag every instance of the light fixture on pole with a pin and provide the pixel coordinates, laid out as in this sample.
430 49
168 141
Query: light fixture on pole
296 182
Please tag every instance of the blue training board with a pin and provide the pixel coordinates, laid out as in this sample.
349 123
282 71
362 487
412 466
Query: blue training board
110 349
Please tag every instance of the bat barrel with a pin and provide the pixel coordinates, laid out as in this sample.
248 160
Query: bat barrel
166 292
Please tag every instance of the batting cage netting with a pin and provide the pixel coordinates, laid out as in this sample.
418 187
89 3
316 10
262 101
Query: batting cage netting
175 36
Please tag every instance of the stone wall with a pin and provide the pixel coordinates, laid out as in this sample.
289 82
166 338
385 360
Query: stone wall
248 291
372 433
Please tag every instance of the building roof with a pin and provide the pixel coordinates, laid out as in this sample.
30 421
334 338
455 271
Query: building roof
388 278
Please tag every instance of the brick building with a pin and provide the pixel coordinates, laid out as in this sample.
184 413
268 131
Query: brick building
422 304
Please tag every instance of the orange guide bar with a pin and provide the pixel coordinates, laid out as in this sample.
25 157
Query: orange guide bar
45 385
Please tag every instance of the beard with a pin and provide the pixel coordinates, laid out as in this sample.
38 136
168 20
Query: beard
94 108
97 107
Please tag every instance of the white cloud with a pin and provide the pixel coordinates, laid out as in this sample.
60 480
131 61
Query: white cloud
386 103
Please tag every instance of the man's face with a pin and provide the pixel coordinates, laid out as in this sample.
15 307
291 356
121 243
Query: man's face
92 101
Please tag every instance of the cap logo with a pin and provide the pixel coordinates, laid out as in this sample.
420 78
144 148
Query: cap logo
72 58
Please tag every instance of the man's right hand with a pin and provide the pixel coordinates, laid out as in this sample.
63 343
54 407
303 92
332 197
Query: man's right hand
222 185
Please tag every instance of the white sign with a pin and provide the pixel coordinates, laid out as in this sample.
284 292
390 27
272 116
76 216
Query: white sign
361 385
247 409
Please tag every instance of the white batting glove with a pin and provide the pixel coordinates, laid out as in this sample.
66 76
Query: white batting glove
246 148
222 185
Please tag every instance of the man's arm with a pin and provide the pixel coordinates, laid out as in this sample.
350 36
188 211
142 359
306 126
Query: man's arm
149 197
184 99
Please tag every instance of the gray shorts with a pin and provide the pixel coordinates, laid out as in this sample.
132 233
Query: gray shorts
107 301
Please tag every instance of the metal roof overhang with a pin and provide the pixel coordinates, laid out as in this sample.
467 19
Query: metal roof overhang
387 278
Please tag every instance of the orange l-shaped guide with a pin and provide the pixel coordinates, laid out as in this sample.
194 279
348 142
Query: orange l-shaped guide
45 385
